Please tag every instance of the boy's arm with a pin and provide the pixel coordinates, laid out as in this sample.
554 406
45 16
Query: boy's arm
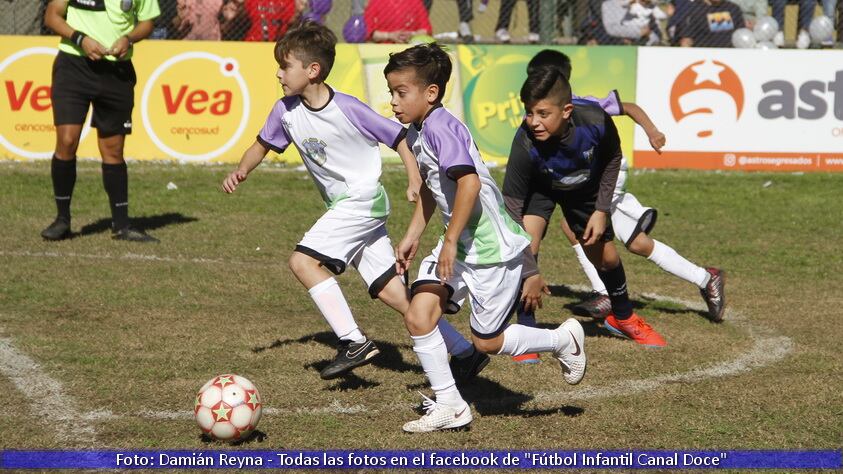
414 181
250 160
405 252
468 188
637 114
609 157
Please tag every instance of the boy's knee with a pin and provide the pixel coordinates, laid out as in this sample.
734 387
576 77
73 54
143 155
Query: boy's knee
641 245
299 263
488 346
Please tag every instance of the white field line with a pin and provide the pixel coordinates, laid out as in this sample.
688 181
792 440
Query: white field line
46 397
766 349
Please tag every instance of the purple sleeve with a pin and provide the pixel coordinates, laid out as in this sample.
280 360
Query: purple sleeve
371 124
273 136
611 104
451 143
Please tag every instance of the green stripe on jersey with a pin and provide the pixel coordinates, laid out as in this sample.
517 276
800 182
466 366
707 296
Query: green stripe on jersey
380 207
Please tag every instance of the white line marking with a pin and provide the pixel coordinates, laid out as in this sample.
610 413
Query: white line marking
46 397
766 349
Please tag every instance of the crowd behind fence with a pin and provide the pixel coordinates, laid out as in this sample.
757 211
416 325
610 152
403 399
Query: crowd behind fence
764 24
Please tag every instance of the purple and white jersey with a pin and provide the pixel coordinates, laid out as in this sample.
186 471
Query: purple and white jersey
339 147
445 150
611 104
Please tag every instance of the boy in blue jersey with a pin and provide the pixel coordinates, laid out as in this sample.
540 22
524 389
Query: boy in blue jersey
570 153
338 137
483 254
631 221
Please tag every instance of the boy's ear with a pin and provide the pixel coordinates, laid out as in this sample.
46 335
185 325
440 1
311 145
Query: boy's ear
431 93
567 110
313 70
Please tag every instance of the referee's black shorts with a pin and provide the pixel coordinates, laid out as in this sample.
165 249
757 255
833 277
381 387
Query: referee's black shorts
79 82
577 207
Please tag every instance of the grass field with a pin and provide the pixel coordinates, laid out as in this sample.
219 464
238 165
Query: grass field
124 334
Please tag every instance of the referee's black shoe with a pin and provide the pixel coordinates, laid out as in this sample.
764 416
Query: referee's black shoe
58 230
132 235
466 368
350 355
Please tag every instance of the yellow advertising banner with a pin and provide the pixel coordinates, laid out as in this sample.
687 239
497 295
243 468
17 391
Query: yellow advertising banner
202 101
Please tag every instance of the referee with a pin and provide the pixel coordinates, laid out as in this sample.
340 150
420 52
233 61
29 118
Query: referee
94 67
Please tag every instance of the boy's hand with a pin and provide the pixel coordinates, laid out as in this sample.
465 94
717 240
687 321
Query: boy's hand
657 140
405 252
531 293
445 265
595 228
231 181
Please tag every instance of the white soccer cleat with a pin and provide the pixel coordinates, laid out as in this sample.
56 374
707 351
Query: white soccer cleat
503 36
778 40
440 417
572 356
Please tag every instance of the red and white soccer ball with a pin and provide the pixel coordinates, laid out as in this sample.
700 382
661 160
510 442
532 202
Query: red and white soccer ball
228 407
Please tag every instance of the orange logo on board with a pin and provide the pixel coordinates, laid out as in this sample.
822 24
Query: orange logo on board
700 87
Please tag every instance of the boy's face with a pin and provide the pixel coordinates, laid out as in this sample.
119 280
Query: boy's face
294 75
547 118
410 100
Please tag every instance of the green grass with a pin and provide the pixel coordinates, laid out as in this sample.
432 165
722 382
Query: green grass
130 335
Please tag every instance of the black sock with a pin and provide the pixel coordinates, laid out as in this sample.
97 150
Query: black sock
526 318
63 173
115 179
615 281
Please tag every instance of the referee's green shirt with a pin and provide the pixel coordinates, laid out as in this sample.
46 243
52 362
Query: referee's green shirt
106 21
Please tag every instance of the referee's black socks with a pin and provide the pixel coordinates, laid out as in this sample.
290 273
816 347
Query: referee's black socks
615 281
63 173
115 179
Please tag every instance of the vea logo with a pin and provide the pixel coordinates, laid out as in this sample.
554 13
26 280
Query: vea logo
195 106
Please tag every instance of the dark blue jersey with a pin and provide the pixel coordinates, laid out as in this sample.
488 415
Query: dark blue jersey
581 164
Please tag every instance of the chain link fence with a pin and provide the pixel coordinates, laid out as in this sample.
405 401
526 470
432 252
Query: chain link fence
704 23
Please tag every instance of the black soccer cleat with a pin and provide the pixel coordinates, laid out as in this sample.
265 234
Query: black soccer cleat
133 235
466 368
349 355
58 230
714 294
597 306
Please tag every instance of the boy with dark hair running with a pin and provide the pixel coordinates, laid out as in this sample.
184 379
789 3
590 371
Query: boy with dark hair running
482 255
569 153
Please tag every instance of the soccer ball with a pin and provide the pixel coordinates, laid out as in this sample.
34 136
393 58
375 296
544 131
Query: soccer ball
228 407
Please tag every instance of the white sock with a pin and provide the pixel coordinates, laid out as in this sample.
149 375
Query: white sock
455 343
518 339
668 260
590 271
433 356
330 301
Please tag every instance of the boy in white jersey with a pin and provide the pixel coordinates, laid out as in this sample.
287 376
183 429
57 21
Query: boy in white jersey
481 255
337 136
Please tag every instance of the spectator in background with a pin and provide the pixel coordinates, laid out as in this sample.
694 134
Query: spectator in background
505 17
234 22
709 23
197 20
752 10
396 21
632 22
464 8
22 17
165 22
806 13
270 19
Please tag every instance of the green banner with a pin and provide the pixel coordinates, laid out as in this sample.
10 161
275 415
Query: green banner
492 77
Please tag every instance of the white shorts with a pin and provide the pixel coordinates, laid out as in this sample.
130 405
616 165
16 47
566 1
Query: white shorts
492 291
630 217
338 239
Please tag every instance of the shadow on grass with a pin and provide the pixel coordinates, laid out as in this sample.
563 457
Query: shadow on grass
144 223
256 436
643 303
390 358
